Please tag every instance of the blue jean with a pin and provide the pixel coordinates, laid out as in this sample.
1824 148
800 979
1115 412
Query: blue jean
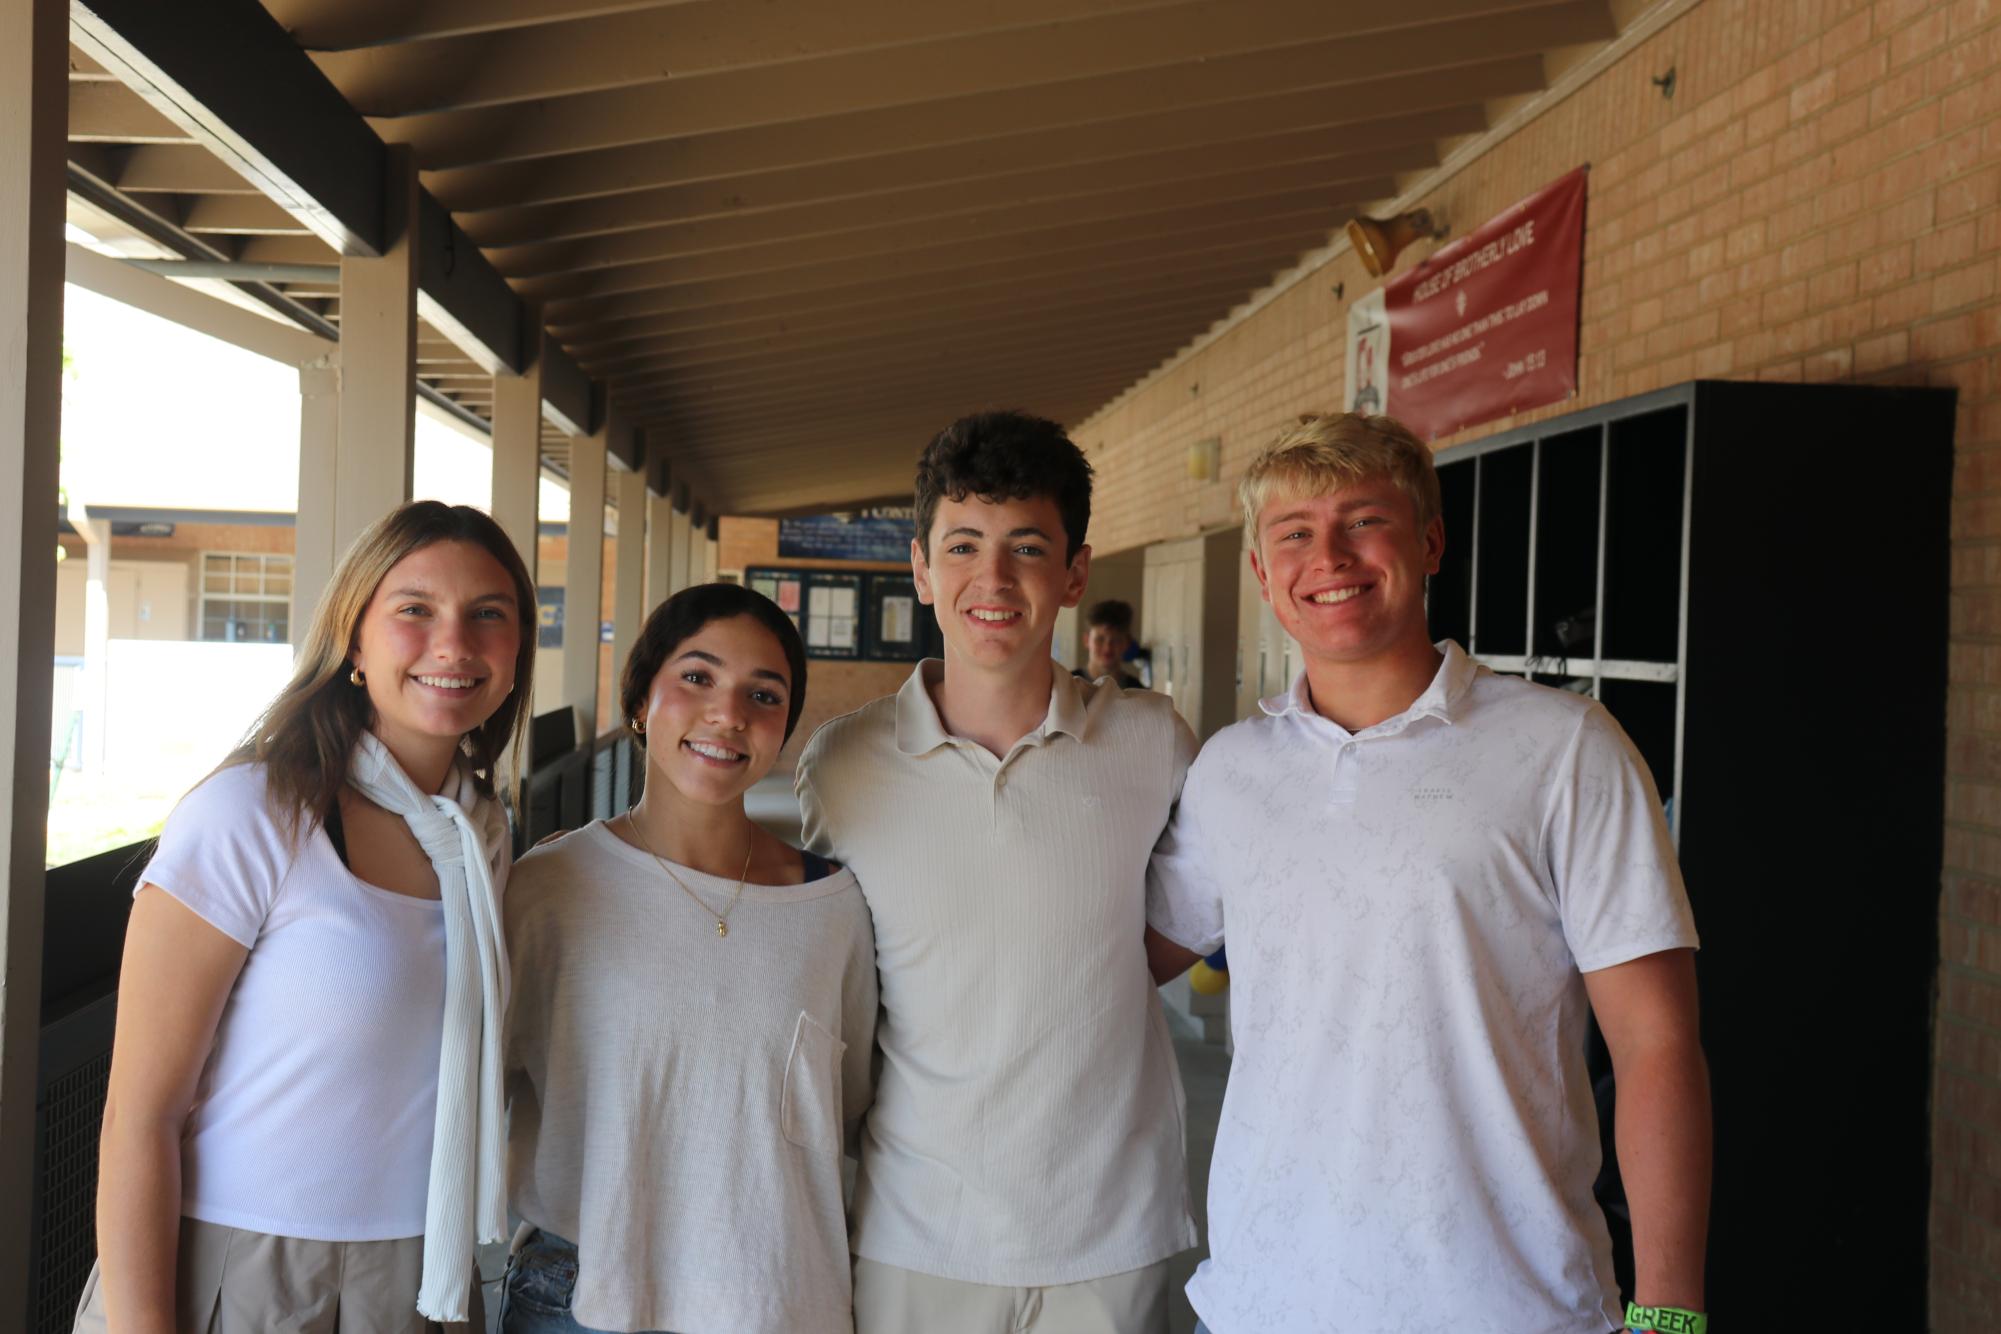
541 1280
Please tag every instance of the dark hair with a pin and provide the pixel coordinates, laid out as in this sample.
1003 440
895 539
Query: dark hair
1001 456
306 737
1113 614
681 617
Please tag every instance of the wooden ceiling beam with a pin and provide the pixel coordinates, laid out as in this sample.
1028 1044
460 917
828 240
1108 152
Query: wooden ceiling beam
976 340
109 112
877 291
971 384
640 46
999 205
891 297
802 339
1047 162
707 280
239 215
179 169
966 101
343 25
773 166
1131 356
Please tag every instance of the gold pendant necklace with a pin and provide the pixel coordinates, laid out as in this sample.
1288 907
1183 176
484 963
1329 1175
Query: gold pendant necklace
722 921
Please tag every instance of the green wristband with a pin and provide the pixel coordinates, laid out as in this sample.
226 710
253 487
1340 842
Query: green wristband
1665 1319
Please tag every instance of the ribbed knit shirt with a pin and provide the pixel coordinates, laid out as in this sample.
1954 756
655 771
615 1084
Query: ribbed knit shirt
1027 1127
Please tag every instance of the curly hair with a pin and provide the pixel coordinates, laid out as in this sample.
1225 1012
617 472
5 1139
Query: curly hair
1001 456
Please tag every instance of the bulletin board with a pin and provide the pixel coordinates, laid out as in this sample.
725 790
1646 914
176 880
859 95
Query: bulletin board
826 605
898 628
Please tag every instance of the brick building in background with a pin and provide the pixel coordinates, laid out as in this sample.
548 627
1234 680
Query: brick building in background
1818 200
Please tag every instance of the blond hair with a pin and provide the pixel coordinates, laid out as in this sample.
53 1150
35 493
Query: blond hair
1321 455
306 738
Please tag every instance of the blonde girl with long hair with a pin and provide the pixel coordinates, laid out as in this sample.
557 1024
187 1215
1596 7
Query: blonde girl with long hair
303 1125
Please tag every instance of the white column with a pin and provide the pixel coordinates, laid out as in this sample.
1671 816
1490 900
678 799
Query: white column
710 552
96 534
517 478
678 546
313 549
659 550
517 458
34 36
583 585
628 594
376 435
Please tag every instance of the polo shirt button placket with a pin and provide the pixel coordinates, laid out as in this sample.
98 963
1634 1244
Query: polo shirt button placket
1344 774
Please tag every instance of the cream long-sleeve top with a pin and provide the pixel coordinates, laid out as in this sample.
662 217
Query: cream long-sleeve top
679 1102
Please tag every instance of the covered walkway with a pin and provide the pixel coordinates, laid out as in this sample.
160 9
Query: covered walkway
715 262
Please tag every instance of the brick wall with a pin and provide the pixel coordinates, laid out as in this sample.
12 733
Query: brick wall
1819 201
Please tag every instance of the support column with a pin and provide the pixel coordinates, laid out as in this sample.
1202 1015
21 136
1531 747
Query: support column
659 550
313 550
96 534
517 458
583 584
677 546
711 550
628 595
517 489
34 114
376 436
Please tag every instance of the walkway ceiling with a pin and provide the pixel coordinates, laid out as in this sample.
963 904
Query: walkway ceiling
793 237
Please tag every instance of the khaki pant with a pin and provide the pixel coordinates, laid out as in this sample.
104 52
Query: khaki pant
889 1300
234 1282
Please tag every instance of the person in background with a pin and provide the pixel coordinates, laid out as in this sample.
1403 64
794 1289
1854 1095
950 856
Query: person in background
694 1013
1431 877
1108 635
1022 1166
302 1130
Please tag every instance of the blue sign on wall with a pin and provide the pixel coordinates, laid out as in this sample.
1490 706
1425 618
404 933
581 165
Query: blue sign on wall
549 617
881 534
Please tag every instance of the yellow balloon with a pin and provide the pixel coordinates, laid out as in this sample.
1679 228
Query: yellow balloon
1206 981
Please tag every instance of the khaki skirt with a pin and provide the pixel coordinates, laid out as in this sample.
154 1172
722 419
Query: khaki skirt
234 1282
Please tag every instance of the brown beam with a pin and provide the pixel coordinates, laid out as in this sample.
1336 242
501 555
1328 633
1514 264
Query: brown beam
905 89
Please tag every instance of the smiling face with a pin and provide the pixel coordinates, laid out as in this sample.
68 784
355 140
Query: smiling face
437 645
996 573
716 711
1345 572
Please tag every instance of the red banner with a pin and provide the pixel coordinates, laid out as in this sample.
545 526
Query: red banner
1487 326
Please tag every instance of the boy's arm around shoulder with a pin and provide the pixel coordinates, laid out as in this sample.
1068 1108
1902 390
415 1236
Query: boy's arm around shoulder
1183 900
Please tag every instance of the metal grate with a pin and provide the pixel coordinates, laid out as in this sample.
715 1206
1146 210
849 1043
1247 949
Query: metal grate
69 1119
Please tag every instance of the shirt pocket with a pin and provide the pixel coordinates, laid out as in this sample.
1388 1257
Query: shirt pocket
811 1099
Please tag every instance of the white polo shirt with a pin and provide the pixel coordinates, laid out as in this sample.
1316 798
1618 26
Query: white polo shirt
1027 1124
1408 1139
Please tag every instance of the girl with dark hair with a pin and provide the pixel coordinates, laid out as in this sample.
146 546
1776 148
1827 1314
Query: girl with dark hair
302 1130
693 1014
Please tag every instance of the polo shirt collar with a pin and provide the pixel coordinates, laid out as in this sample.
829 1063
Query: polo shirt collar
919 729
1441 699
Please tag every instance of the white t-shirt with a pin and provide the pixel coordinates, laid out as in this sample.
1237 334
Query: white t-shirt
1408 1139
678 1102
1027 1124
314 1114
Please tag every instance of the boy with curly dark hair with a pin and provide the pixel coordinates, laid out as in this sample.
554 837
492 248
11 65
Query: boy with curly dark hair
1022 1166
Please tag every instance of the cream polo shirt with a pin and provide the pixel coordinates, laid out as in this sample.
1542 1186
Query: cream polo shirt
1027 1121
1408 1135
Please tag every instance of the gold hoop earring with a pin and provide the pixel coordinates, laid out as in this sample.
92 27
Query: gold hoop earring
638 727
356 676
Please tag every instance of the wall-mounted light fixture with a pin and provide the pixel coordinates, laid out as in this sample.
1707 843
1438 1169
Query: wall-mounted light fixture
1378 241
1205 459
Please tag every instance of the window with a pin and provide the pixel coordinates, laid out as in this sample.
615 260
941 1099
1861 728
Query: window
246 597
